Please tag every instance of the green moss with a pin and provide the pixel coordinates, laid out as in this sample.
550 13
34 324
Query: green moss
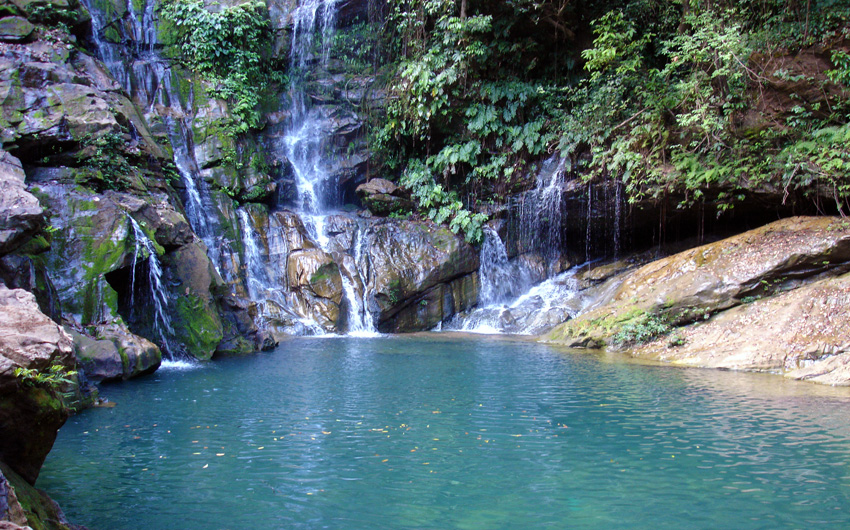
38 244
325 273
40 512
198 326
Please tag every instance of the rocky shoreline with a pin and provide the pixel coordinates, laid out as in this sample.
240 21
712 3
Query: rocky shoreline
770 300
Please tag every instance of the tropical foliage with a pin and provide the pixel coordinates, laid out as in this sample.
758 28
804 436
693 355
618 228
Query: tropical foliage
661 95
230 48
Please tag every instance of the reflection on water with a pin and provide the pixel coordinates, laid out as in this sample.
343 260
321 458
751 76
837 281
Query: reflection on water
454 432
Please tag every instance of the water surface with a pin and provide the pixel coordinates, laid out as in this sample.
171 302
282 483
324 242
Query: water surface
441 432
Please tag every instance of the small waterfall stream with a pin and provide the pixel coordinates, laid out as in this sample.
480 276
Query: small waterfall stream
540 215
528 294
360 321
510 302
145 248
256 279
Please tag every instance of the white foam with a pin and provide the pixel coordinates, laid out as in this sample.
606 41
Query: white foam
363 334
180 365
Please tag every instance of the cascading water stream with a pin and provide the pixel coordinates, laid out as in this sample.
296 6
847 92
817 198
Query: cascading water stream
145 247
512 298
360 321
147 77
540 214
256 279
306 144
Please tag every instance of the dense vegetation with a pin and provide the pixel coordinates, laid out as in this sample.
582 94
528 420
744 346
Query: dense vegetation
704 99
230 48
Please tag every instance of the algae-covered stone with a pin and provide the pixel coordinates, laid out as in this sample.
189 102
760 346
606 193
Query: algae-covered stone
196 321
23 507
15 29
382 197
115 354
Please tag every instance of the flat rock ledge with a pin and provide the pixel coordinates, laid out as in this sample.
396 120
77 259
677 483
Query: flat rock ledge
771 299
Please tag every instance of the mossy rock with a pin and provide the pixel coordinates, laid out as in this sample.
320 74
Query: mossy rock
33 505
15 29
195 319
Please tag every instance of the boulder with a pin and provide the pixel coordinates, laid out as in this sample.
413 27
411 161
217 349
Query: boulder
699 282
382 197
315 279
21 215
101 270
315 270
801 334
438 304
406 260
15 29
194 315
115 354
31 412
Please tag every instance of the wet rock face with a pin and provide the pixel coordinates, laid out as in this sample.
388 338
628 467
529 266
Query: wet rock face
102 272
315 277
412 269
30 415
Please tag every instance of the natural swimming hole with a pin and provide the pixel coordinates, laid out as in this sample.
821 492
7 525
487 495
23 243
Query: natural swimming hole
438 432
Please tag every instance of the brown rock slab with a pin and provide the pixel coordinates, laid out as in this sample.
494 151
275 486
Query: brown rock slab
801 334
701 281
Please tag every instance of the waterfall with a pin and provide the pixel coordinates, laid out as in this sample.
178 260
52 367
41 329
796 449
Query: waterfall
618 221
147 77
256 279
501 279
510 302
360 322
306 143
526 295
539 213
161 321
305 139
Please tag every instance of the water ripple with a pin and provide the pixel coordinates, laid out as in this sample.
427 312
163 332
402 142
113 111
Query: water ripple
452 432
